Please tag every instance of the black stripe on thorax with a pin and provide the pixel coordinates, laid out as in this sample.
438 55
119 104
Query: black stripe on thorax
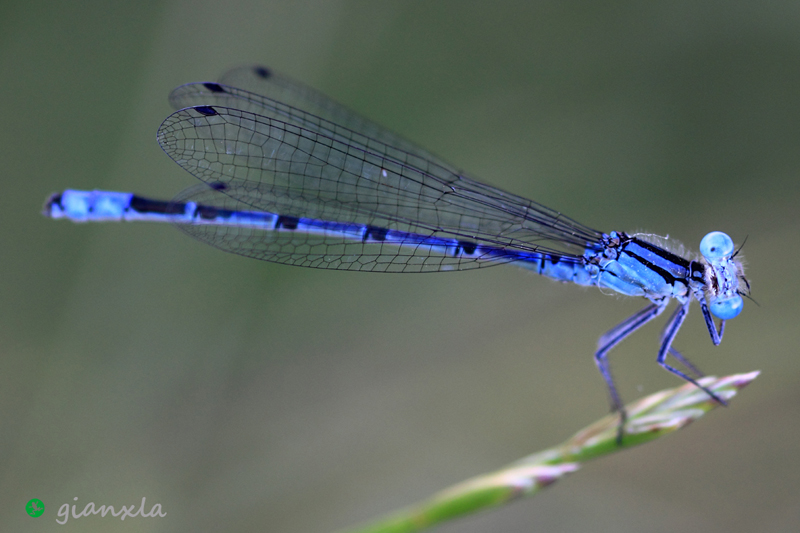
660 252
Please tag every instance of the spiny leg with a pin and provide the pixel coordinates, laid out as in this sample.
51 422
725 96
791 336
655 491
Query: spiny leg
674 324
611 339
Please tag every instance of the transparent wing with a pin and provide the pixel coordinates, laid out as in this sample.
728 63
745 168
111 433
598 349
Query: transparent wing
265 93
344 178
262 81
274 96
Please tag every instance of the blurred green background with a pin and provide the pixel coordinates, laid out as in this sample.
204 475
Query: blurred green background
244 396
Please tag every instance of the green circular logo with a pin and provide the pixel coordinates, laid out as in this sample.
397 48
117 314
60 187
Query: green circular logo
35 507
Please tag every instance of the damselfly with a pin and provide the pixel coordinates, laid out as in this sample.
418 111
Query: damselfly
292 177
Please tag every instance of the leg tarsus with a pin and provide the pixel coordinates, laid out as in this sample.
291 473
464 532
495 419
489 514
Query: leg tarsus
693 382
623 419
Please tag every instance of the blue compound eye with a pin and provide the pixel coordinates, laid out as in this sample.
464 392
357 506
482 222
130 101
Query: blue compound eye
716 245
728 308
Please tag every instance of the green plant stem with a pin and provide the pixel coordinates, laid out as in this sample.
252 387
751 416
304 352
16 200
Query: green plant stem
648 419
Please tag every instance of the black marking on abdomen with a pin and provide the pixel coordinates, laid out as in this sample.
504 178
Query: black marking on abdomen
286 222
543 263
208 212
467 247
55 199
214 87
205 110
375 233
143 205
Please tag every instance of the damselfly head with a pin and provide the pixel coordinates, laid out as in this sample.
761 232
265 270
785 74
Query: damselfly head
724 276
